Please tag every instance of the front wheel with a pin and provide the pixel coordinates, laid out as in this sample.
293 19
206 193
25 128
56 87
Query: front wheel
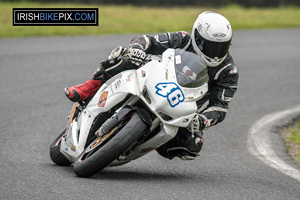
105 149
56 156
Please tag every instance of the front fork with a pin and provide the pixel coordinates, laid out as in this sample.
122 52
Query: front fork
74 112
119 115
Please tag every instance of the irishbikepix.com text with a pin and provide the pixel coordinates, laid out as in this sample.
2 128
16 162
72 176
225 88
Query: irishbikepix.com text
55 17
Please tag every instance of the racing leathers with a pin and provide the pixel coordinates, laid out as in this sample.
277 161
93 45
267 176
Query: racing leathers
223 79
222 85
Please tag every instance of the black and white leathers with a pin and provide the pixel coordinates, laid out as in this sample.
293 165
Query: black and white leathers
223 79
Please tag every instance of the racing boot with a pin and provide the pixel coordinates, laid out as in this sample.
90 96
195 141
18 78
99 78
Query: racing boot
193 146
184 145
83 91
106 70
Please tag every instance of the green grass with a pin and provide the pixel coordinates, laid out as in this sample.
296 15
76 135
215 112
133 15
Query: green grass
295 134
130 19
293 141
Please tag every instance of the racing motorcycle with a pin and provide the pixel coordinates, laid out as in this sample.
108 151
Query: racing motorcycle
132 113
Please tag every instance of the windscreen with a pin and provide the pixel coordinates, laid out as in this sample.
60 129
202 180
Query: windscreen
191 70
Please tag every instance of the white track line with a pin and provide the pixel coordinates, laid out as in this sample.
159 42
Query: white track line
259 142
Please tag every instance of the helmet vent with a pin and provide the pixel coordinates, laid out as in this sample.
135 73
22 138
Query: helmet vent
218 35
208 25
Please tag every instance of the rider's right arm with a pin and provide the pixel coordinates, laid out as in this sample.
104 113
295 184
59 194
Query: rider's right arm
159 43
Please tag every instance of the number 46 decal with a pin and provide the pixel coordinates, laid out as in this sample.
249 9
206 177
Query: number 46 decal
171 91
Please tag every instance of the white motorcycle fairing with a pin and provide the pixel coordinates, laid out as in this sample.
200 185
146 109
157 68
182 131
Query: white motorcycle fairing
156 84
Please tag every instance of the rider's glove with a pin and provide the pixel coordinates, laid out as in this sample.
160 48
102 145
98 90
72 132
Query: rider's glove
136 51
114 64
109 67
133 51
198 123
115 54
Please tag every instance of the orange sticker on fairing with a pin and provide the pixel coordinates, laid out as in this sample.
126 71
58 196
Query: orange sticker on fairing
102 99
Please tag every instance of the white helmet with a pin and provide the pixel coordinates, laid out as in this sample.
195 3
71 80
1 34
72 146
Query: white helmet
211 37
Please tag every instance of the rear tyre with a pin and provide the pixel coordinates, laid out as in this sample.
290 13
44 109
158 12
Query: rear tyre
56 156
104 150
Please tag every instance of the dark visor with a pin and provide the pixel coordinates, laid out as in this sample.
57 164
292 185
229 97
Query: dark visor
211 49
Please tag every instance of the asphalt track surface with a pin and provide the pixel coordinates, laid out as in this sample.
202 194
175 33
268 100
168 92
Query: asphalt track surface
34 71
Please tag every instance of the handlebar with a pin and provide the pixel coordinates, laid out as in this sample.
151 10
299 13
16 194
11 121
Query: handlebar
136 60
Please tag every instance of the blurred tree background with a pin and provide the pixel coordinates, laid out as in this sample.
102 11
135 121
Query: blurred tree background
210 3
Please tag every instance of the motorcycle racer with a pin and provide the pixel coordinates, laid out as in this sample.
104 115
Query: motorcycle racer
210 39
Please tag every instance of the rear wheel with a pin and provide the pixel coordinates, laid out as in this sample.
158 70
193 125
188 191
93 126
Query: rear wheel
56 156
105 149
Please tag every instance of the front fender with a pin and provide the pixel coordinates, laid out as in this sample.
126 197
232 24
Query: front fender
116 118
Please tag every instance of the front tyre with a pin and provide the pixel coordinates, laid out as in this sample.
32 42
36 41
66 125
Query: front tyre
56 156
104 150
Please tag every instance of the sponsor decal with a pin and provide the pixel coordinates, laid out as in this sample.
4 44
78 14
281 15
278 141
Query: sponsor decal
189 97
233 71
185 120
68 138
129 78
143 73
198 92
167 74
67 146
178 59
198 140
102 99
118 84
111 89
73 148
171 91
200 27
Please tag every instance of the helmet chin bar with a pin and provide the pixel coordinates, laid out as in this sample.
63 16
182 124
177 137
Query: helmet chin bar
213 62
208 61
